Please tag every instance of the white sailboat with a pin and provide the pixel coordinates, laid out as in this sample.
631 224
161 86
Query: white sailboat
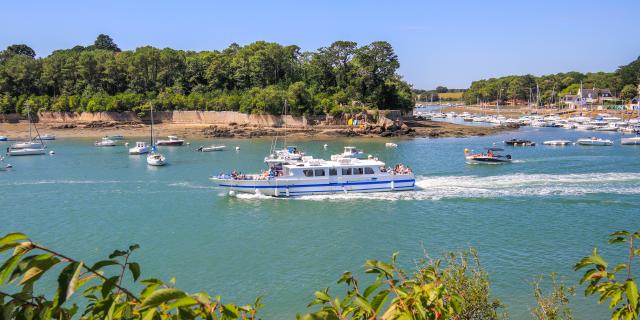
155 158
35 146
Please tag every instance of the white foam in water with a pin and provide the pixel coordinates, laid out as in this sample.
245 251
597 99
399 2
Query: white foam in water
189 185
514 185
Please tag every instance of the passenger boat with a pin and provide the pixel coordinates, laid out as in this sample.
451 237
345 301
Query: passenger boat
630 141
519 142
557 142
308 176
211 148
492 156
105 142
593 141
48 136
172 141
3 138
140 148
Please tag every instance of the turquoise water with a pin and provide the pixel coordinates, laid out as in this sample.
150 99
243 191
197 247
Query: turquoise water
540 214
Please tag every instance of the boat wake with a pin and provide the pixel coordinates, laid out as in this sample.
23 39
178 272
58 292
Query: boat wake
514 185
189 185
27 183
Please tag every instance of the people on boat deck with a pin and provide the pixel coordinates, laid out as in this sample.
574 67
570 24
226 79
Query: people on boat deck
490 154
401 169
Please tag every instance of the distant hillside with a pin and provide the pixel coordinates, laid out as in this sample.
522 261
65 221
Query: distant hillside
622 83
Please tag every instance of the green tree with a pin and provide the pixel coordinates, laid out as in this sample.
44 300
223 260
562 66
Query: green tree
105 42
628 92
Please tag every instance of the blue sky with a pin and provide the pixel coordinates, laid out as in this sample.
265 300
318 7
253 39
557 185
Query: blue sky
443 42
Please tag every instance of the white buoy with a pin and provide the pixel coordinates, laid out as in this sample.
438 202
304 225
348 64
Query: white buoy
326 145
126 144
188 143
52 152
237 148
232 193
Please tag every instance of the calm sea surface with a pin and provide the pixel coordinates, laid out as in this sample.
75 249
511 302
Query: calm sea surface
538 215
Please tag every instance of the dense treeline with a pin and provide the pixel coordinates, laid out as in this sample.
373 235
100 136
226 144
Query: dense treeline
256 78
622 83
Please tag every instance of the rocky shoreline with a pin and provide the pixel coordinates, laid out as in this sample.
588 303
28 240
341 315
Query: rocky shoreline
96 129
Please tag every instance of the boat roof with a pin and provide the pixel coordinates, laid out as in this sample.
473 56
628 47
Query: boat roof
495 149
341 162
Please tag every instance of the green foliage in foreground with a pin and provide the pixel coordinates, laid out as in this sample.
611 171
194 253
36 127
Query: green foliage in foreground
455 287
101 287
255 78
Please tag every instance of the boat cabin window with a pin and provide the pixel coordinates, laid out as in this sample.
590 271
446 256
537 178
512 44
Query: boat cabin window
358 171
308 172
333 172
346 171
368 170
319 172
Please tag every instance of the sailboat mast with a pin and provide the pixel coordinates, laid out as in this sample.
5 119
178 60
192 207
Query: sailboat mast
29 117
152 125
537 95
284 120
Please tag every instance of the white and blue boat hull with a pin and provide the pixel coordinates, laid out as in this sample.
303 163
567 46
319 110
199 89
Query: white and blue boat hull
298 187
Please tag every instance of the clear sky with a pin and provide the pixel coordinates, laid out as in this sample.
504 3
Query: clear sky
445 42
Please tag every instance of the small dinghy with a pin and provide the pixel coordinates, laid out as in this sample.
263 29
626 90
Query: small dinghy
211 148
557 143
391 145
593 141
492 156
519 142
105 142
48 136
156 159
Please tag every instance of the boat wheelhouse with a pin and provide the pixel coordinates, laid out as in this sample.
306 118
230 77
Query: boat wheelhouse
308 176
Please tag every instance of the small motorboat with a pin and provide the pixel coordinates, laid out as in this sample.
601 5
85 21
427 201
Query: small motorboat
353 152
173 141
211 148
594 141
115 137
633 141
105 142
140 148
492 156
3 138
391 145
156 159
557 142
519 142
48 136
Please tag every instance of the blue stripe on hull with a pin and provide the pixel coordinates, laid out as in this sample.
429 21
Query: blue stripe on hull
318 185
295 193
